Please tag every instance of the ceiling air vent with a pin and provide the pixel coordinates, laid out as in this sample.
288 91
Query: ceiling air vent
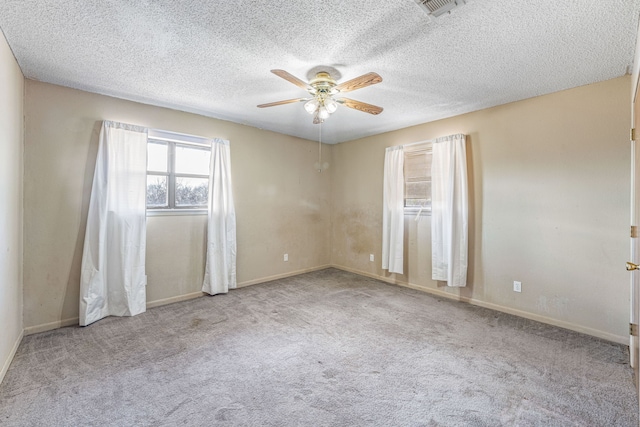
436 8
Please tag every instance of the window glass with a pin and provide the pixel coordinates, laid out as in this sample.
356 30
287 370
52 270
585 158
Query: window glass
157 157
191 191
177 173
192 160
157 194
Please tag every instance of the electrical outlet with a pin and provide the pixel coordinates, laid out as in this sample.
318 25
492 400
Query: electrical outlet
517 286
371 258
286 257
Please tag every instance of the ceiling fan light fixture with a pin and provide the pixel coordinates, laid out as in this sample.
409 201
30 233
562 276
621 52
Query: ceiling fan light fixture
323 113
331 105
312 106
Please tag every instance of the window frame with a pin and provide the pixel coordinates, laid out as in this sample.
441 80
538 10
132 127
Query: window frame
416 147
173 140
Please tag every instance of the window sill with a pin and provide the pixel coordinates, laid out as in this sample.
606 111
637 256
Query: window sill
175 212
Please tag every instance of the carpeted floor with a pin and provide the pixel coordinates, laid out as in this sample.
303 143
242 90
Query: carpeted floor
328 348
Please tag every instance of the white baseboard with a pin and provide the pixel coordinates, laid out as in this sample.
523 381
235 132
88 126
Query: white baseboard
157 303
44 327
12 353
624 340
165 301
193 295
282 276
50 326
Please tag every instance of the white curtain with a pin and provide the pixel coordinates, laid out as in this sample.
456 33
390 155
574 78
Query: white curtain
393 210
449 212
220 269
113 277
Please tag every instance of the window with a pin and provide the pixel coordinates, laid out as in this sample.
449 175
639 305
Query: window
417 177
177 172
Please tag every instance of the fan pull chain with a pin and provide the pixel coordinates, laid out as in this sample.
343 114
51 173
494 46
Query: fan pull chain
320 148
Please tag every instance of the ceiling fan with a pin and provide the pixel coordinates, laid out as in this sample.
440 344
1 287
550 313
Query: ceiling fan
323 89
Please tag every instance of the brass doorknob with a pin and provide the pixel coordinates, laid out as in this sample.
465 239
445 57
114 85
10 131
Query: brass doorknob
631 266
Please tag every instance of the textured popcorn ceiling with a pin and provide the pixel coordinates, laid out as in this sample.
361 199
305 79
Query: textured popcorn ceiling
214 57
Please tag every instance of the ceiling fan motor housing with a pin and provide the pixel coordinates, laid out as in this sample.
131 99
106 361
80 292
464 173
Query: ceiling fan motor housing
323 83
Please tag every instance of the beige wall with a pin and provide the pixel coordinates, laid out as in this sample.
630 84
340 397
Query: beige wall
282 203
11 151
549 189
549 183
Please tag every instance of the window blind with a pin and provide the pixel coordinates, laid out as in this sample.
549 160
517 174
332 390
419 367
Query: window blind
417 176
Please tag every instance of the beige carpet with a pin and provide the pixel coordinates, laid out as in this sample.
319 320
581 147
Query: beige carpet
328 348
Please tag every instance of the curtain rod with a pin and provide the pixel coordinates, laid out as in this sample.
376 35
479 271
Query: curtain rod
179 137
426 141
434 139
419 142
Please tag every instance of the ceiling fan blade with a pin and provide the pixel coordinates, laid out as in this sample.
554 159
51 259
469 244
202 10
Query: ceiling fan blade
286 101
293 79
360 106
359 82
